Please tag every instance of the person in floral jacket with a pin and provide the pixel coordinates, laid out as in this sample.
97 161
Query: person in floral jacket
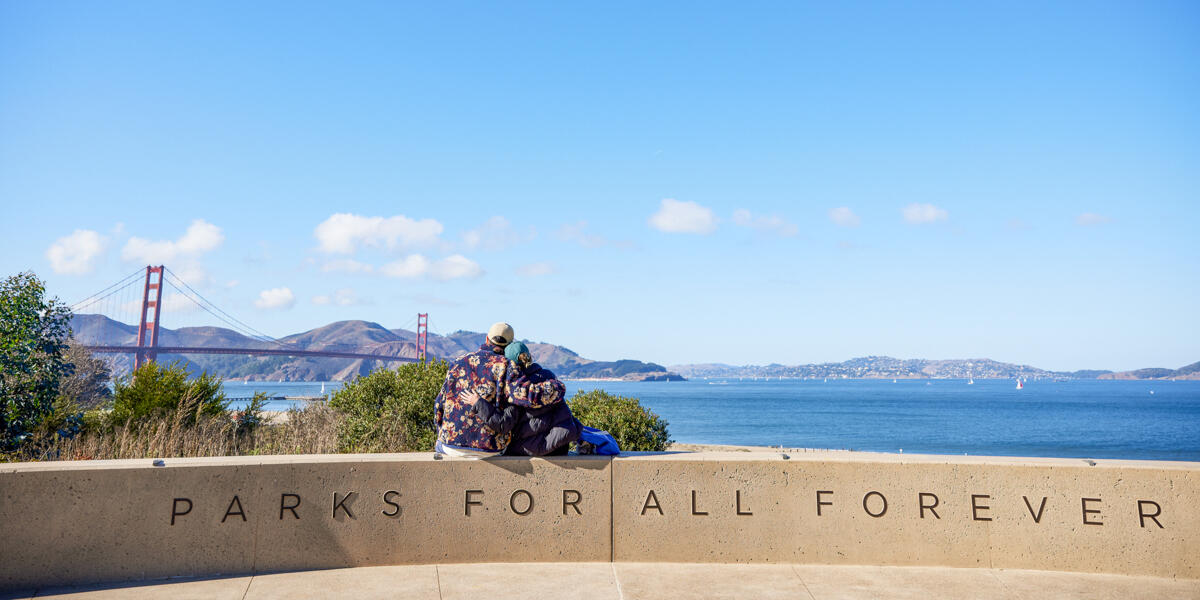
475 377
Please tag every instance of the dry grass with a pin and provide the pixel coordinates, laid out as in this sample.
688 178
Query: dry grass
311 430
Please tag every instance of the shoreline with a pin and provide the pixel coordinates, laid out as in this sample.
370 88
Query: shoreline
678 447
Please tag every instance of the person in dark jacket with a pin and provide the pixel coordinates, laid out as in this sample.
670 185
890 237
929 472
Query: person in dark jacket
545 425
470 380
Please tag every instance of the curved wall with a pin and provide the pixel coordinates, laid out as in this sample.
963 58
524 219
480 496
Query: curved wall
77 522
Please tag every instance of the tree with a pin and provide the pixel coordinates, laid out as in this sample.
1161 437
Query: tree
87 387
634 426
33 340
156 390
390 410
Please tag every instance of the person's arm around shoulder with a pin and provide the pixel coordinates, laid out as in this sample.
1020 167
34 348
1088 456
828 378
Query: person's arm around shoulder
546 388
499 422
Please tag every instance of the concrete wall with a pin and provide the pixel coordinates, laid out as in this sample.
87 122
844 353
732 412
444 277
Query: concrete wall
75 522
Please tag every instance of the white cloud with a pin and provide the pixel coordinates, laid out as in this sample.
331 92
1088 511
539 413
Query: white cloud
536 269
455 267
1090 219
415 265
772 224
675 216
342 297
346 265
917 214
344 233
200 237
193 275
411 266
232 283
577 232
76 254
276 298
844 217
497 234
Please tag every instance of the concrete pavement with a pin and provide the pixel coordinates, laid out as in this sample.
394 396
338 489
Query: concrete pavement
638 581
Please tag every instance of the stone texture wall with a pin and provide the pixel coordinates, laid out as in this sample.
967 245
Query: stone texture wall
90 521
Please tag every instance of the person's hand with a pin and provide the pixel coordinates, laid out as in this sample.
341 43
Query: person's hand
470 397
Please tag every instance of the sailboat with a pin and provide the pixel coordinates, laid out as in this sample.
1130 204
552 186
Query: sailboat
1020 386
322 387
970 380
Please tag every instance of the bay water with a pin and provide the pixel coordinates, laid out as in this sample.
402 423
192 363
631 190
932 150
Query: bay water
1070 419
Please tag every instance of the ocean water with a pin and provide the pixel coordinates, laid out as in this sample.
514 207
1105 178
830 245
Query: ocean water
1070 419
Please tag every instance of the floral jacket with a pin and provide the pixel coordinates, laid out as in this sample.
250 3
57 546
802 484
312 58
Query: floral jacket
485 371
534 387
536 415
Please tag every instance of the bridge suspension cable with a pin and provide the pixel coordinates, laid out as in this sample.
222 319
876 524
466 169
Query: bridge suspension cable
121 298
175 281
106 293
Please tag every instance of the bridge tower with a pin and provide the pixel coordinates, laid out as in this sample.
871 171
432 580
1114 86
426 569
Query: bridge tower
147 337
422 336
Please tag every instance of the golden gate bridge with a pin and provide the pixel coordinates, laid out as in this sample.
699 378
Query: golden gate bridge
146 349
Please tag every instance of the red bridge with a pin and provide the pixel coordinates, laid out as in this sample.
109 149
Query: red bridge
147 349
247 351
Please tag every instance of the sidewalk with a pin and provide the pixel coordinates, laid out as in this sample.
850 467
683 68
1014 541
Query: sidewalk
638 581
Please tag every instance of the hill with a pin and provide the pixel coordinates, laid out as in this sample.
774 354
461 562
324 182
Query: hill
885 367
1191 371
348 336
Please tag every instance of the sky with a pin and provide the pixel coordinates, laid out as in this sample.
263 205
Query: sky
744 183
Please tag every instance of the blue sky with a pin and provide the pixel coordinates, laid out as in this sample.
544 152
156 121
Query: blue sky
741 183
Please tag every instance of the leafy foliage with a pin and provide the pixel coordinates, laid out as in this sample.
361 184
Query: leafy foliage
390 410
250 418
634 426
87 385
33 339
155 390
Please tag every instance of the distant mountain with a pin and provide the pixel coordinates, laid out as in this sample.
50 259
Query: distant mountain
1191 371
348 336
885 367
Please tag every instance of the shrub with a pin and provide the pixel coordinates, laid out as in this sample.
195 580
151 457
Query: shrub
155 390
390 410
33 338
634 426
87 386
250 418
309 430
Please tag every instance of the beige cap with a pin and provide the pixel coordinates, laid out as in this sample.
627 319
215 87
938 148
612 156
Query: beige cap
500 334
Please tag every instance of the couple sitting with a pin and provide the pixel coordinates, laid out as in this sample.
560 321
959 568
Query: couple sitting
496 400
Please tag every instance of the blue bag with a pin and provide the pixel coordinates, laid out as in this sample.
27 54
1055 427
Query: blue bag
603 441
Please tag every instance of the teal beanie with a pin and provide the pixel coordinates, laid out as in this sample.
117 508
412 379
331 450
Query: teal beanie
516 349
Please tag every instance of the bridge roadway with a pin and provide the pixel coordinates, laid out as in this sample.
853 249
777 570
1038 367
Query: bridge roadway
249 351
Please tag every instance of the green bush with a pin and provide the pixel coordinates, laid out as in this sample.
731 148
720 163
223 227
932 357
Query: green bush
65 421
33 339
251 417
634 426
390 410
155 390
